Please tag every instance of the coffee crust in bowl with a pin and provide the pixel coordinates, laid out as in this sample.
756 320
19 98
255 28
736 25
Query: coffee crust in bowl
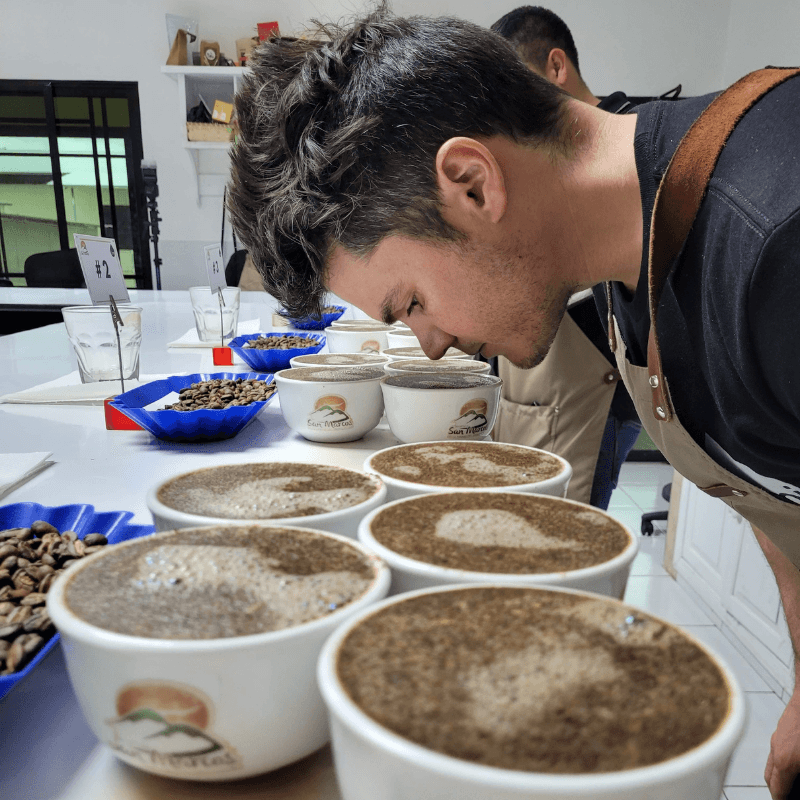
276 490
466 464
526 679
217 582
499 533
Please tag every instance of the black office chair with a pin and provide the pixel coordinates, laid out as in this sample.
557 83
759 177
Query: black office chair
60 268
652 516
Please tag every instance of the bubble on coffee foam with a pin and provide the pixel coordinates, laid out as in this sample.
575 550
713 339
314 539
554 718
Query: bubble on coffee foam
499 528
289 599
625 624
268 498
516 688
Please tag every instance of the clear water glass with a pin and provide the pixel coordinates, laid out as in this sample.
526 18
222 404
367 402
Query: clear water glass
91 332
205 306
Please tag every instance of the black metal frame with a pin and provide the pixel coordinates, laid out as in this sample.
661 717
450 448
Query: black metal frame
53 128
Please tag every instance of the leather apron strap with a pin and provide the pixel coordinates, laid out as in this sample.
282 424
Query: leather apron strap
679 197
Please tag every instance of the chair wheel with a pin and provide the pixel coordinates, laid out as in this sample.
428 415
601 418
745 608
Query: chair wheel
647 527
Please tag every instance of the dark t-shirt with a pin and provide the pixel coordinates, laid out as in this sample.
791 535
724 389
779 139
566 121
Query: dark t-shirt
729 319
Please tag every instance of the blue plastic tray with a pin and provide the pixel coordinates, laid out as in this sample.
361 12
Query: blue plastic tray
308 324
82 519
189 426
274 360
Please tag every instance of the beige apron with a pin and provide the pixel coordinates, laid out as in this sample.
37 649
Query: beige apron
573 388
677 202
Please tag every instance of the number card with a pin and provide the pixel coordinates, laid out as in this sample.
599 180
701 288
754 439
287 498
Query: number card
216 272
102 271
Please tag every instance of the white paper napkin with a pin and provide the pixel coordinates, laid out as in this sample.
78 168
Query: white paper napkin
16 468
190 338
68 390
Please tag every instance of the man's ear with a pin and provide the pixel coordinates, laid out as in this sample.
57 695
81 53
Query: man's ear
557 67
471 182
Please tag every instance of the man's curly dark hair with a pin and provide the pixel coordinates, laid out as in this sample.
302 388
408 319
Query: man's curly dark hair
338 137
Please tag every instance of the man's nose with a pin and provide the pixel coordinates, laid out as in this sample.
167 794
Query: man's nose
435 342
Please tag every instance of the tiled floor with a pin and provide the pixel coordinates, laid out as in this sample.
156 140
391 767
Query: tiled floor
652 589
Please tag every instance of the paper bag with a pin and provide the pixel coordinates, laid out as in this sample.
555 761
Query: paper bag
178 55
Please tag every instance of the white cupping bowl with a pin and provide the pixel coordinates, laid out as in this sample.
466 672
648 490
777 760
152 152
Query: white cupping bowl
437 405
409 574
342 521
263 706
330 408
402 337
555 486
404 353
374 762
357 338
339 360
418 366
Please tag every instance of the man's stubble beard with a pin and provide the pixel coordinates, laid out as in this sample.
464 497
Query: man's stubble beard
552 314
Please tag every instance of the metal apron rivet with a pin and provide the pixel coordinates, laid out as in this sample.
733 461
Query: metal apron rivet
653 381
661 413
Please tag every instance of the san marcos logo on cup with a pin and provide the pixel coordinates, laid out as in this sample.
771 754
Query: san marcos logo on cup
330 411
371 346
168 725
472 419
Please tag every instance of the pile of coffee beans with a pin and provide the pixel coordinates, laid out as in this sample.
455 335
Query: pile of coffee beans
222 393
30 560
282 342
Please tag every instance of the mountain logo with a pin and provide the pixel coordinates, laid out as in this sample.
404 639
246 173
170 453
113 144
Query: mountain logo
471 420
330 412
370 346
166 725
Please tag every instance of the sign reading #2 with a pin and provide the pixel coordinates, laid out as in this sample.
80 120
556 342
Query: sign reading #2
101 269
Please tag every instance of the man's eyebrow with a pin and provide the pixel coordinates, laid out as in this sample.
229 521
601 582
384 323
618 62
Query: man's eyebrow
389 304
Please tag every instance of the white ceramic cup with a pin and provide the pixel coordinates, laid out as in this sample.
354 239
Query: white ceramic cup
374 762
397 488
343 521
409 574
331 409
339 360
361 322
258 692
417 366
416 412
357 338
402 337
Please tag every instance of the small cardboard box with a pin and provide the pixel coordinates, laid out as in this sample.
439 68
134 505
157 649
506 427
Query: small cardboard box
222 111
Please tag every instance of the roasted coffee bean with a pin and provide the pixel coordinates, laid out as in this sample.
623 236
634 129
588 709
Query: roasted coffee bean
5 608
20 592
9 563
70 536
4 648
8 549
14 656
28 552
92 539
10 631
44 569
33 599
46 582
5 577
23 562
19 614
40 527
23 581
283 342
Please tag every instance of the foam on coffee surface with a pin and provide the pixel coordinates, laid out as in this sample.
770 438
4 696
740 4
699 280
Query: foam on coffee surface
445 365
342 359
442 380
527 679
467 464
500 533
210 583
419 353
333 374
266 491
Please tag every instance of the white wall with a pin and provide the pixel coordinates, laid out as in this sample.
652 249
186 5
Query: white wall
643 47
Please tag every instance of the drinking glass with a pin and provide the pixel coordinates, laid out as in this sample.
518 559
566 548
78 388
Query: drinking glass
205 306
91 332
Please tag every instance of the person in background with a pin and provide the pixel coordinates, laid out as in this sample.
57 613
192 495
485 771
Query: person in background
573 403
417 169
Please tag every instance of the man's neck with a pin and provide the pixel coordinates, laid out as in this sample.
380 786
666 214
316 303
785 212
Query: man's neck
602 188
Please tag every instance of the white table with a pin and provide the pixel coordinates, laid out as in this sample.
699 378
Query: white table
46 749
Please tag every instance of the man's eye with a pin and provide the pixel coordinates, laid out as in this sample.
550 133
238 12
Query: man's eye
414 302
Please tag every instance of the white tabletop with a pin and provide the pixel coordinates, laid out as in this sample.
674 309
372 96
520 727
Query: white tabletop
46 749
